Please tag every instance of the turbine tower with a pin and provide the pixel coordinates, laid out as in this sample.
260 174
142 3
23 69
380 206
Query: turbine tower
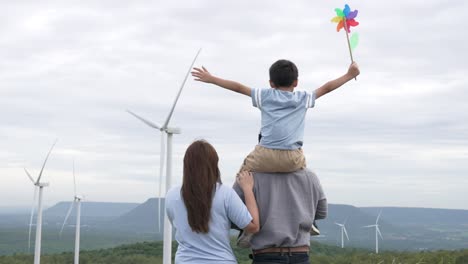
169 132
377 233
77 199
38 186
343 232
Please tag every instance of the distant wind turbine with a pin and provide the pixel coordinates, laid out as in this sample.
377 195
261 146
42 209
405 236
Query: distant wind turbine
343 232
169 131
377 233
38 185
77 199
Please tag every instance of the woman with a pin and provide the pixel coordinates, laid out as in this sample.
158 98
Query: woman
202 209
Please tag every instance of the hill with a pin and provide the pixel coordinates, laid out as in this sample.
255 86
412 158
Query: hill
92 209
420 216
143 218
111 224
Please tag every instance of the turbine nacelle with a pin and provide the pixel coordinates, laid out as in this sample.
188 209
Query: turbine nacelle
173 130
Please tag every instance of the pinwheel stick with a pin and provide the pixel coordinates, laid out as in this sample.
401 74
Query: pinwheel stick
347 39
349 44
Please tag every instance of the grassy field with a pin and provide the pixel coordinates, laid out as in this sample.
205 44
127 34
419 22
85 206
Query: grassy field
150 252
15 240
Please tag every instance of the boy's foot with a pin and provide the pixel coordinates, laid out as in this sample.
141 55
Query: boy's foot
243 240
314 231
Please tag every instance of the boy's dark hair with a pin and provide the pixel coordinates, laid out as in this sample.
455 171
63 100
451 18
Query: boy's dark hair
283 73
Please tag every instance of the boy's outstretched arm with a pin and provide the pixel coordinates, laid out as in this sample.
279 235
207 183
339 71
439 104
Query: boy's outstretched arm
203 75
353 71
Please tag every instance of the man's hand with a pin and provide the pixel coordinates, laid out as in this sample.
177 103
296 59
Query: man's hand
202 75
353 70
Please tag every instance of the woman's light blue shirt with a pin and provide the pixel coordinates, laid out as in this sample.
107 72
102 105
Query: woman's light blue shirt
213 247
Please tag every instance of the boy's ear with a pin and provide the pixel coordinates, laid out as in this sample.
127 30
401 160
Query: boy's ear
272 84
294 84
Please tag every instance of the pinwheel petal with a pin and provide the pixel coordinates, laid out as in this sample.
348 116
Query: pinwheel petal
339 26
339 12
351 22
337 19
352 14
346 10
354 40
348 28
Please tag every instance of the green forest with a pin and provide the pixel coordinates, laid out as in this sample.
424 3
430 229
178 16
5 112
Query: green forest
151 252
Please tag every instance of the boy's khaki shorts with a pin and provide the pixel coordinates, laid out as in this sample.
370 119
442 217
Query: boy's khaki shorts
263 159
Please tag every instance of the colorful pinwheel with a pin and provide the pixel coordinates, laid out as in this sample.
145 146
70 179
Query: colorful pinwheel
345 19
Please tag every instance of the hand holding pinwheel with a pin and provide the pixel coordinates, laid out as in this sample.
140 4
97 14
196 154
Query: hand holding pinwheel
345 19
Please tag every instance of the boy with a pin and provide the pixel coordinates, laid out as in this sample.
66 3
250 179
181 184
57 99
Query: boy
283 115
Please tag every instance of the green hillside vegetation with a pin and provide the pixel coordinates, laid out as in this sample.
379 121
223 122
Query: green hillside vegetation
151 252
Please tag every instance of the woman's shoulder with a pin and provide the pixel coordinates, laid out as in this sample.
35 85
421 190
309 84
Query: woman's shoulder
173 192
224 191
223 188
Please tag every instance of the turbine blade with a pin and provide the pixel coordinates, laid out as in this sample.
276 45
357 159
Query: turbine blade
149 123
66 217
166 123
29 176
378 231
369 226
31 217
346 233
376 221
74 179
45 161
162 155
338 224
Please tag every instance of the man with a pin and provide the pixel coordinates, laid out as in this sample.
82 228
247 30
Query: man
288 204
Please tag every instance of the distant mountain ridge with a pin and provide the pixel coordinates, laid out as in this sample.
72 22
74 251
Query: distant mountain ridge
92 209
144 216
420 216
402 228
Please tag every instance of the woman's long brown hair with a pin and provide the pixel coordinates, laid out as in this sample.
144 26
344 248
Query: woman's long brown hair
201 173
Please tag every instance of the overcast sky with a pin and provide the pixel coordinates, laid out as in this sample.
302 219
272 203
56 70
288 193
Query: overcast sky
398 136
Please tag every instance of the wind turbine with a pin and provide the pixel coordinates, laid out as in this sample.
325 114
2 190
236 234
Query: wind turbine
377 233
38 186
77 199
169 132
343 232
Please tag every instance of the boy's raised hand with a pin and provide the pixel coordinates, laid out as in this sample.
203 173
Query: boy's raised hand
202 75
353 70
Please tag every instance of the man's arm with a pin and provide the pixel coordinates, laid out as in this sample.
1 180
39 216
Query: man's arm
353 71
322 209
203 75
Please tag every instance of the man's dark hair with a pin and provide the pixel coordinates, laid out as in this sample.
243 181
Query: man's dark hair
283 73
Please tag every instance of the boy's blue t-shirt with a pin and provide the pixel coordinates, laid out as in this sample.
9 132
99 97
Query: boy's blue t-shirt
283 116
213 247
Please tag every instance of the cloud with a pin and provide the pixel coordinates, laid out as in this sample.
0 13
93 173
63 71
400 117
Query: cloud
70 70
